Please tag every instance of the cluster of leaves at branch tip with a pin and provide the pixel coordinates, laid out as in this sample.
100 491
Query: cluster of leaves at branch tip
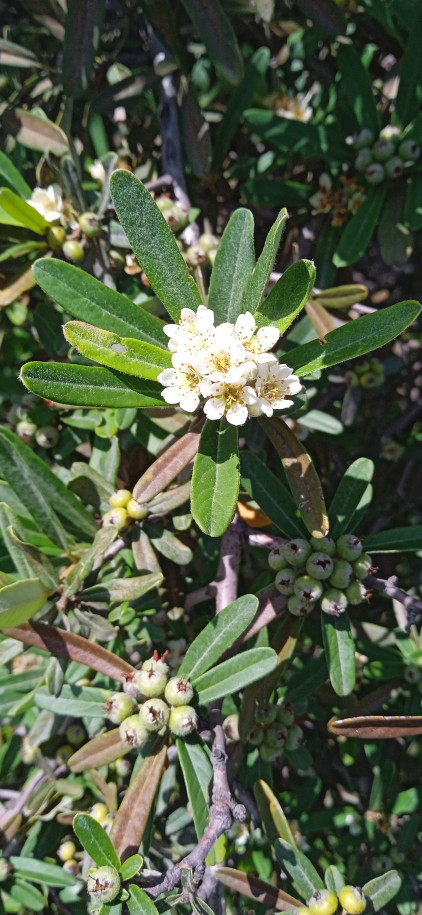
321 571
165 704
387 156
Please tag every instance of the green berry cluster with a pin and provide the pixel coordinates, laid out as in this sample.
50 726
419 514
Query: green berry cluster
367 374
124 509
321 570
151 703
387 156
275 730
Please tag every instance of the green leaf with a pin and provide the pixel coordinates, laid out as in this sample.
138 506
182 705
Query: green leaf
305 878
272 497
356 85
39 489
354 339
139 903
381 889
131 867
41 871
272 814
95 841
232 269
119 589
413 202
13 177
21 212
27 895
409 93
340 651
197 774
397 540
89 386
257 284
14 55
349 494
154 244
21 600
216 477
215 30
395 239
78 701
289 295
334 880
29 561
323 255
121 353
218 636
360 228
91 560
236 673
322 422
240 98
168 545
85 298
82 34
298 137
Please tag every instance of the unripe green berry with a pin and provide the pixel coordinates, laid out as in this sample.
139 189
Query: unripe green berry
294 737
208 242
352 899
364 138
371 380
122 767
154 714
319 566
383 150
323 902
56 235
285 581
26 430
342 574
285 714
334 602
150 683
374 173
73 251
296 551
355 593
299 607
363 159
178 691
256 735
409 150
75 734
156 664
47 436
266 713
308 588
231 728
99 811
349 547
90 224
117 259
362 566
117 517
103 883
269 754
276 735
323 545
120 498
136 510
64 753
119 707
412 675
394 167
183 720
276 559
133 732
66 850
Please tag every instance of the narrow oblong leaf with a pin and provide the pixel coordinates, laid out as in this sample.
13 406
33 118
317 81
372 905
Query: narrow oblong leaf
34 130
216 477
154 244
349 494
21 212
360 228
376 727
301 475
268 491
139 903
381 889
236 673
354 339
164 470
288 297
197 773
121 353
78 701
256 889
340 652
85 298
21 600
261 273
356 84
131 867
240 98
13 177
409 91
218 636
95 840
132 816
272 814
41 871
89 386
82 34
413 202
119 589
100 751
15 288
394 237
334 880
305 878
232 269
215 30
397 540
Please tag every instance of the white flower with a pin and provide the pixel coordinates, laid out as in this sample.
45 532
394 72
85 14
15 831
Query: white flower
182 387
255 341
230 400
97 171
225 359
194 332
48 202
273 382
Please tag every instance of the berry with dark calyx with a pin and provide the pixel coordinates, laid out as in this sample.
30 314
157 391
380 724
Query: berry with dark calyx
157 663
269 754
26 430
256 735
394 167
374 173
296 551
285 581
73 251
118 707
342 574
276 559
66 850
412 675
362 566
120 498
151 682
154 714
334 602
352 899
276 735
294 737
266 713
299 607
323 902
285 713
363 159
371 380
136 510
319 566
103 883
47 436
183 720
75 734
383 150
323 545
133 732
349 547
90 224
409 150
117 517
356 593
308 588
178 691
56 235
364 138
64 753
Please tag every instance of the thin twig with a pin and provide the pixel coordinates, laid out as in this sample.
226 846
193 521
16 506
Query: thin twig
389 587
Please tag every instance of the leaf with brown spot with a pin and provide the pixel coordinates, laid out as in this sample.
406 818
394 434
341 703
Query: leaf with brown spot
132 815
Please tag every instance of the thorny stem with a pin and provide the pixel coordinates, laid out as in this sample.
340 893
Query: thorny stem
389 587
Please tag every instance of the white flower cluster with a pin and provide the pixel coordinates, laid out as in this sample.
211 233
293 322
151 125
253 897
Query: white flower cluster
229 366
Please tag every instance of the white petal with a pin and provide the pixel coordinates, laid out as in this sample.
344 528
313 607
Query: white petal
171 395
214 408
268 336
237 414
189 402
245 326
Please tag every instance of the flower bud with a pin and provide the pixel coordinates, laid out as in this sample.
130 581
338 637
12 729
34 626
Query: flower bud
355 593
133 732
374 173
136 510
409 150
285 581
118 707
308 588
349 547
323 545
154 714
103 883
178 691
90 224
47 436
266 713
319 566
352 899
362 566
363 159
342 574
394 167
364 138
117 517
276 559
73 251
334 602
299 607
296 551
66 850
183 720
150 683
323 902
120 498
383 150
